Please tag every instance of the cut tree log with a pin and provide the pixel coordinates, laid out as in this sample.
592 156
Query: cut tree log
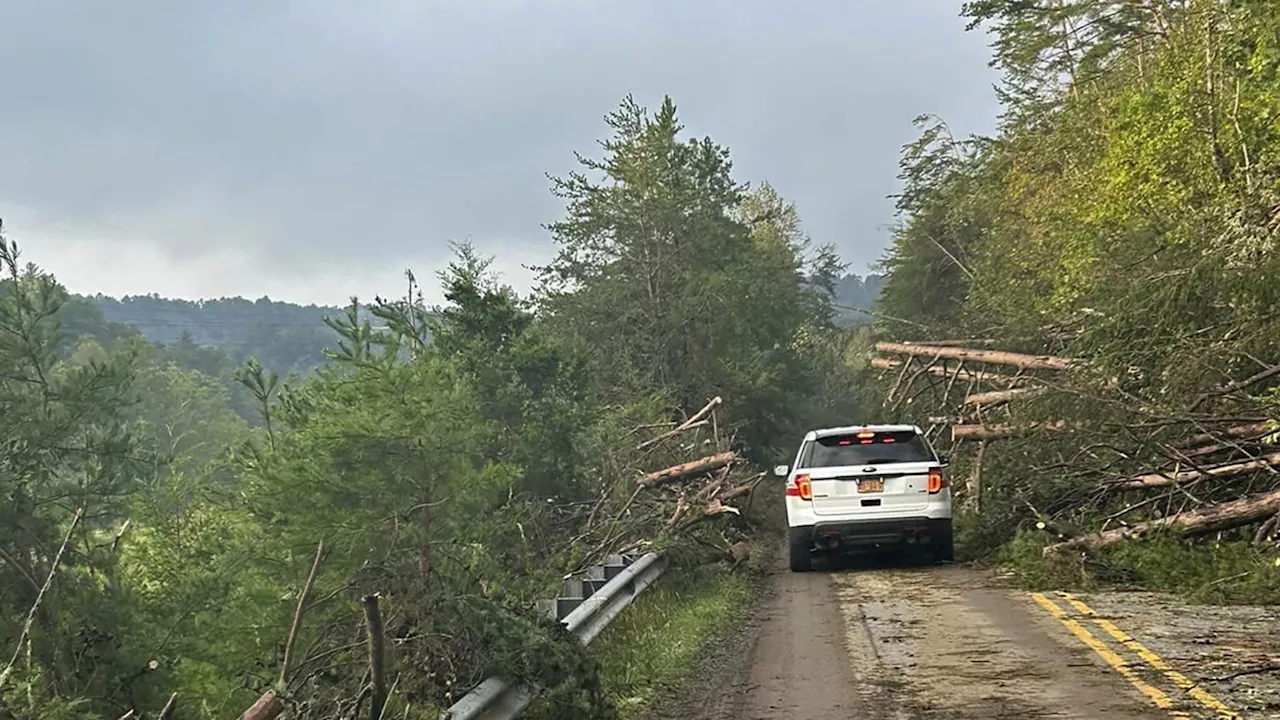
1247 432
994 357
1188 477
999 432
942 371
684 470
1223 516
1000 397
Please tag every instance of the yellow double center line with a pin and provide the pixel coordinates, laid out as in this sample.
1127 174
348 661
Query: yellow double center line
1155 694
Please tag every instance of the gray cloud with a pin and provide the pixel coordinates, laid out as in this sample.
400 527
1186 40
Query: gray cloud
316 148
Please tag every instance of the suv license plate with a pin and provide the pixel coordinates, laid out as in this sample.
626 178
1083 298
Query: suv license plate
873 485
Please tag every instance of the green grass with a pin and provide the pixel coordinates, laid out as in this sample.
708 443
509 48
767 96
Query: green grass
652 647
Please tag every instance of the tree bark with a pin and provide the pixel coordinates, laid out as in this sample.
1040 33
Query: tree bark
684 470
1187 477
1224 516
268 707
975 479
377 657
994 357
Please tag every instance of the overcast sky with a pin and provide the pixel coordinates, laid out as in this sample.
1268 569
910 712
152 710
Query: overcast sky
313 149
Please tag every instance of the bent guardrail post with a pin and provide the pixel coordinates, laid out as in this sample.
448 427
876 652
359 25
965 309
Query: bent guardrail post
497 699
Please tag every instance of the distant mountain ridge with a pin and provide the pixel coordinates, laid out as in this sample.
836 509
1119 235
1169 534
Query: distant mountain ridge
283 336
286 336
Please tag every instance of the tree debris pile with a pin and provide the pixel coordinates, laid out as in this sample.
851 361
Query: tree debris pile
1088 458
668 486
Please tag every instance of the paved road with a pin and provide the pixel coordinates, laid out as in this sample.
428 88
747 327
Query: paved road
894 643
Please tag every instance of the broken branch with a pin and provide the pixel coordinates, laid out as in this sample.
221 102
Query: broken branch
1187 477
943 371
297 614
998 432
35 606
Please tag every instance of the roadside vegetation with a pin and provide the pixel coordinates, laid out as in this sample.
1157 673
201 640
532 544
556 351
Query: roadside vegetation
372 536
1092 293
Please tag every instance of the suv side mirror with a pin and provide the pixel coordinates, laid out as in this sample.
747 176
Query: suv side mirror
944 460
781 470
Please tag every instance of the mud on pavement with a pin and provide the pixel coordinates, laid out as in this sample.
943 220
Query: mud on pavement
900 642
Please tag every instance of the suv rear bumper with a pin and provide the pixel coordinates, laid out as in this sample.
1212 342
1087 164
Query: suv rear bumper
847 533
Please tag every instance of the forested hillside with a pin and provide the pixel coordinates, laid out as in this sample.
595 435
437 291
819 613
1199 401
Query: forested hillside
286 337
282 336
1124 220
441 471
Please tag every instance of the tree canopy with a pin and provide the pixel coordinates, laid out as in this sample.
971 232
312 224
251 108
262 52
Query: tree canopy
215 517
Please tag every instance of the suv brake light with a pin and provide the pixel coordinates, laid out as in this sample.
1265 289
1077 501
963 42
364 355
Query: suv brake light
937 481
800 487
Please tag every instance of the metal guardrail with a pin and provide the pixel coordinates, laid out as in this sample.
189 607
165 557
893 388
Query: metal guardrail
588 604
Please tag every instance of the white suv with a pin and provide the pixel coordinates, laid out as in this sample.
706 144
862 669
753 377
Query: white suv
866 486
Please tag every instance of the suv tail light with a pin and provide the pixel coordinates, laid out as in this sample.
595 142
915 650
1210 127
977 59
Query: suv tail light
800 487
937 480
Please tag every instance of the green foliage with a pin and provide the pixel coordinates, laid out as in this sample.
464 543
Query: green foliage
448 465
694 285
1125 213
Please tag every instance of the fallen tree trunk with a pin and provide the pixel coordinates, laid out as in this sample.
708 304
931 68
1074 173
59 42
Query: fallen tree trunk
684 470
1204 450
1000 397
999 432
941 371
1245 432
1187 477
1224 516
994 357
952 343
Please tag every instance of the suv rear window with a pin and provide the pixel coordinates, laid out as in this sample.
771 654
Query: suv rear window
866 448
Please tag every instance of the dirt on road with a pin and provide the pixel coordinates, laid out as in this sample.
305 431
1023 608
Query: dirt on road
902 642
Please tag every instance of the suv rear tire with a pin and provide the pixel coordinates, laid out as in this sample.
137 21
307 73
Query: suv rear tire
944 549
800 549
